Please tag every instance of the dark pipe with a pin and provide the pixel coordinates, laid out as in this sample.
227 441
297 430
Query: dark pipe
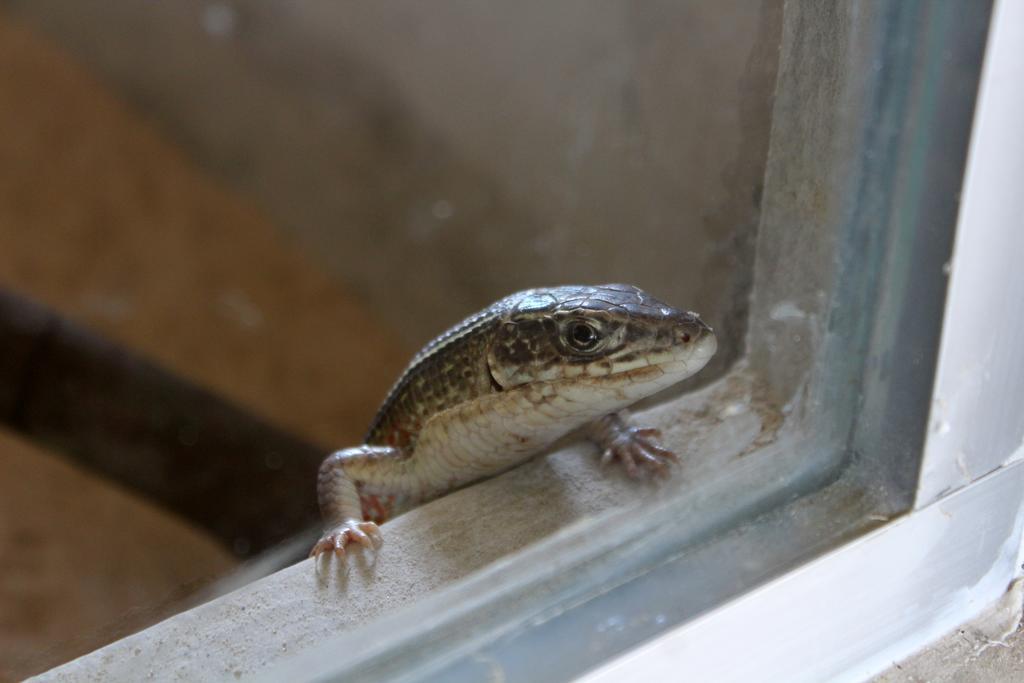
247 482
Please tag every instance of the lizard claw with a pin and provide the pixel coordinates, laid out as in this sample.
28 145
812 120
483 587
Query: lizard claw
636 448
366 534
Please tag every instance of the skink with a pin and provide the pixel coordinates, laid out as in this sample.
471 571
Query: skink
500 387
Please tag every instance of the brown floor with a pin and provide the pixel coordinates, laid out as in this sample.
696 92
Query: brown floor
104 220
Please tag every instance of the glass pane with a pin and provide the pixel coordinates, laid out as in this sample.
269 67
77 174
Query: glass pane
282 202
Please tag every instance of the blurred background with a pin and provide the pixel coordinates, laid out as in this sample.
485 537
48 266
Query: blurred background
275 204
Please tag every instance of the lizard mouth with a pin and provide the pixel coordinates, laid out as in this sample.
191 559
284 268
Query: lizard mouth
680 360
624 386
655 371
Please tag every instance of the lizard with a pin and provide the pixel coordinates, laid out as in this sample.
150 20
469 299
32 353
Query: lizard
500 387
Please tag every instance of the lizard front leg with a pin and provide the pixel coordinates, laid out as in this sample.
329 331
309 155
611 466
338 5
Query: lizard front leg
636 448
351 489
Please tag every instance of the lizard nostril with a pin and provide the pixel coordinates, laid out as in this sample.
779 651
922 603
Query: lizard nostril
689 331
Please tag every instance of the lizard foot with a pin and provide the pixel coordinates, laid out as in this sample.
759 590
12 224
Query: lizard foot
366 534
636 448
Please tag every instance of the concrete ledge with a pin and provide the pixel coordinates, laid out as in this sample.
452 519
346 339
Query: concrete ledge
258 626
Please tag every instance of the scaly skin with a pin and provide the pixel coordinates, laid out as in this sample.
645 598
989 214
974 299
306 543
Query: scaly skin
503 385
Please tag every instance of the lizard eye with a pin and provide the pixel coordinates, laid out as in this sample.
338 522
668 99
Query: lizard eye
582 336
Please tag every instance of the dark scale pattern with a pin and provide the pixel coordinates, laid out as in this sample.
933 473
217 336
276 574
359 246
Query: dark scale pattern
436 381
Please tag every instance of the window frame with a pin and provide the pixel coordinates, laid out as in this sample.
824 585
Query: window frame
835 575
871 124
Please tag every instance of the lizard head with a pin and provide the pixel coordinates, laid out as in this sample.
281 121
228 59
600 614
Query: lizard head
617 335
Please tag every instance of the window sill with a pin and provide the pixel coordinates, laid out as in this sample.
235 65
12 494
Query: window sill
269 621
